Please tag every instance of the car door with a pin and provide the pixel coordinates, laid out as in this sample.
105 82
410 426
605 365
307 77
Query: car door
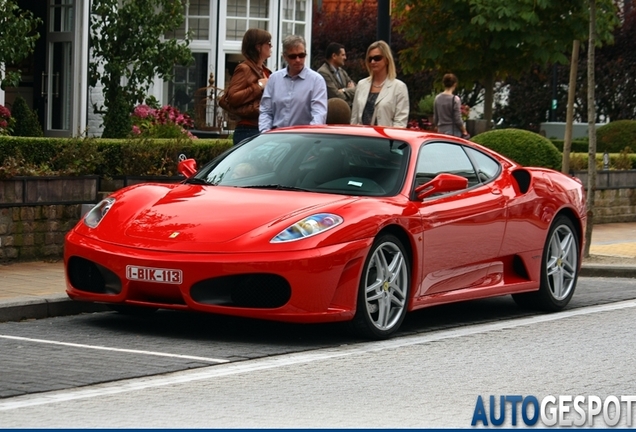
462 230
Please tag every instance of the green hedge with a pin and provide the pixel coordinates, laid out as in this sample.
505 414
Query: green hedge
105 157
578 146
524 147
615 136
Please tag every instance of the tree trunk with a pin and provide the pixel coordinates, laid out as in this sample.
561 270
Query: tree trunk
567 141
591 122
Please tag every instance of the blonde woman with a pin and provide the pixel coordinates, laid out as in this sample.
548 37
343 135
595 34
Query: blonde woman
381 99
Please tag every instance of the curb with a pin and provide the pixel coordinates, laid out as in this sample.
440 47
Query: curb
608 270
23 308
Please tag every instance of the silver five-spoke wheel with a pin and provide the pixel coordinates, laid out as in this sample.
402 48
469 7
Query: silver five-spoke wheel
384 288
562 262
559 268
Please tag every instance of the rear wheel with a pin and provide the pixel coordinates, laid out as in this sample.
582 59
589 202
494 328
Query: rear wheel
559 269
383 292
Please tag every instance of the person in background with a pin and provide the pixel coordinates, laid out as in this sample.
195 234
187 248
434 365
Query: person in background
447 116
248 82
339 85
294 95
381 99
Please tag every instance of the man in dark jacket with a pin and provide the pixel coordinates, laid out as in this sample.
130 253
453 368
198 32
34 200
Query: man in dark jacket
339 85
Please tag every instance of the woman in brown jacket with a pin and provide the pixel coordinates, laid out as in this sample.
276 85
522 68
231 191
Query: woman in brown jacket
248 81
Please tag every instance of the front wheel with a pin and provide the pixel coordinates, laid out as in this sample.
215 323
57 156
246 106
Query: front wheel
383 292
559 269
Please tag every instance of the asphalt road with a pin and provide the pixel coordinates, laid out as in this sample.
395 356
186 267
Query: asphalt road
68 352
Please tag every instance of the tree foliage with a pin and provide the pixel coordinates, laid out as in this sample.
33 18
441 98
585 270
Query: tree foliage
17 39
128 52
489 40
528 97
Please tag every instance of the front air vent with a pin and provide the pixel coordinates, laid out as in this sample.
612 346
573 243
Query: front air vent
255 290
85 275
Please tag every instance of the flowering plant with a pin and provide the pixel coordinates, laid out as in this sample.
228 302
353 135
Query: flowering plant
6 121
165 122
465 111
420 124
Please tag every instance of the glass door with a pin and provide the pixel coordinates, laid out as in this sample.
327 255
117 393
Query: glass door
57 79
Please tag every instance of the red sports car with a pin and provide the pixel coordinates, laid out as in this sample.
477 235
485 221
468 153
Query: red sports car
335 223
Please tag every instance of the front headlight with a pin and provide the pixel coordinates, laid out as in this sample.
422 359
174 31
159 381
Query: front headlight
97 213
308 227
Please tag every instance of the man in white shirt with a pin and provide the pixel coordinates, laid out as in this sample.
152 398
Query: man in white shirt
295 95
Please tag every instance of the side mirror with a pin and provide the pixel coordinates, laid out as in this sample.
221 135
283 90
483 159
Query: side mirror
187 167
442 183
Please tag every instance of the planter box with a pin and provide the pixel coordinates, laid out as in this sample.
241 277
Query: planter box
29 191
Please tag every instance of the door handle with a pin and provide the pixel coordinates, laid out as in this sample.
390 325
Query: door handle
43 82
56 87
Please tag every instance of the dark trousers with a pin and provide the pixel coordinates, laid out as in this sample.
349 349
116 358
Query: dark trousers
243 132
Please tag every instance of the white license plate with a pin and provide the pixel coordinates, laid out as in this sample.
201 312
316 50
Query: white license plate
151 274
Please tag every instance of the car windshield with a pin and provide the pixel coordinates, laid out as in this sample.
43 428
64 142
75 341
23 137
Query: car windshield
328 163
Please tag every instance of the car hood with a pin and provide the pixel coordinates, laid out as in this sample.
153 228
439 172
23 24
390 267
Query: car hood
216 214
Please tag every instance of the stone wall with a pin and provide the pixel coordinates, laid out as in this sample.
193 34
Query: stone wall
614 205
35 232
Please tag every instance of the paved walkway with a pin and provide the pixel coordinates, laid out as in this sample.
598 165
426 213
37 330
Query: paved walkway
37 289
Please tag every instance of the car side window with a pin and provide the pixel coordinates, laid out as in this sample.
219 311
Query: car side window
487 167
437 158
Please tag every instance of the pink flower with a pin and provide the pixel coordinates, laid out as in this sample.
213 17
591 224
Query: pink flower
136 130
143 111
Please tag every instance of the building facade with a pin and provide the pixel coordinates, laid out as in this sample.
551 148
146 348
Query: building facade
55 78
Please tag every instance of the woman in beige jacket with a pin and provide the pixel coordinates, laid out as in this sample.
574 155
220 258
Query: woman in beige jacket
381 99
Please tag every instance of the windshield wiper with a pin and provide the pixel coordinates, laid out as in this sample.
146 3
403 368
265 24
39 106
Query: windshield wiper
277 187
196 180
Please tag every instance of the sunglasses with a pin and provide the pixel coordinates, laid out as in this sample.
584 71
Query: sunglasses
375 58
295 56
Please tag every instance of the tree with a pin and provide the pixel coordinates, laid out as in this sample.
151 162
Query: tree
487 41
17 39
591 121
128 51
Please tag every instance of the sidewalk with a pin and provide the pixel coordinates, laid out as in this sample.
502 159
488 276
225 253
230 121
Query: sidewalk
31 290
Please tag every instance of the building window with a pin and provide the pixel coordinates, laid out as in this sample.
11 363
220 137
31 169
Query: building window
196 23
245 14
294 17
182 90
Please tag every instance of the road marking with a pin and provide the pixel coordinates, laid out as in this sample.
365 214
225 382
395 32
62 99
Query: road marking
234 368
103 348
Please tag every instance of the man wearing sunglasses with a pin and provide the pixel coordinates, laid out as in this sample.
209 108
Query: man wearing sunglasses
294 95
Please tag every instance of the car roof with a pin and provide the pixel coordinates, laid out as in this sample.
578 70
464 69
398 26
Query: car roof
368 131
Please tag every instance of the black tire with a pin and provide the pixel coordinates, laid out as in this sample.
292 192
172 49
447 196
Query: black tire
383 291
559 269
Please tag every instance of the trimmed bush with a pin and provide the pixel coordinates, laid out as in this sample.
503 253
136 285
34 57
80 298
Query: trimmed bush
524 147
578 145
104 157
615 136
26 120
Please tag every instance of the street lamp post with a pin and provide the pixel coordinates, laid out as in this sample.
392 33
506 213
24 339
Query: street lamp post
384 20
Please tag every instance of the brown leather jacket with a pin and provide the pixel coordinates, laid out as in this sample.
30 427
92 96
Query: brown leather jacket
244 94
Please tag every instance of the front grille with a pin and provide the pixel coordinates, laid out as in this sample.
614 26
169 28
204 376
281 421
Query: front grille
257 290
85 275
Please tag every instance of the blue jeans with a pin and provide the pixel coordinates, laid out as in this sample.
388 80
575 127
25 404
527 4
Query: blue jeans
243 131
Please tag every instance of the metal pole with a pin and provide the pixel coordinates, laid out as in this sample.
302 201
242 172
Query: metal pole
384 20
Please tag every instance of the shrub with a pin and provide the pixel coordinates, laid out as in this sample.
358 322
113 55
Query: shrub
524 147
425 105
615 136
26 120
